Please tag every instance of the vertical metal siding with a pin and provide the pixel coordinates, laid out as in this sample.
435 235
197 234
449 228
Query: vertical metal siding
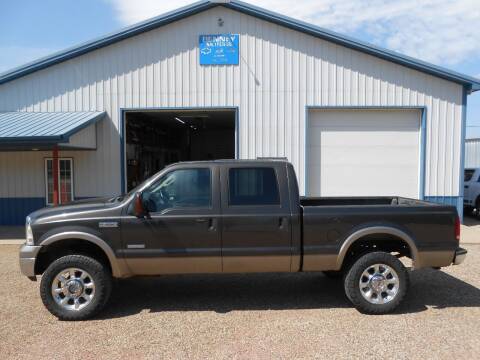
281 71
23 176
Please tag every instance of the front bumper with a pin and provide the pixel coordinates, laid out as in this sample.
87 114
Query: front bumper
28 255
460 255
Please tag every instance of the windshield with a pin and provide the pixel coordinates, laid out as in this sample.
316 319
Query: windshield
134 190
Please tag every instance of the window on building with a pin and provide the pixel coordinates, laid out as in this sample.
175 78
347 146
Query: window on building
65 180
253 186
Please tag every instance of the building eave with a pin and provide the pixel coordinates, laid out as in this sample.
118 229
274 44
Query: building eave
16 127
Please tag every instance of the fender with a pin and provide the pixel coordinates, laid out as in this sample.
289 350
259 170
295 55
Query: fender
118 268
376 230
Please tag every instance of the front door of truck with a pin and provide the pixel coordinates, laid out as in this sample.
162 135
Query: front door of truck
181 233
256 231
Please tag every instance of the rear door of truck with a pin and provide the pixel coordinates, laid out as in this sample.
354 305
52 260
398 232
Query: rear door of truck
256 220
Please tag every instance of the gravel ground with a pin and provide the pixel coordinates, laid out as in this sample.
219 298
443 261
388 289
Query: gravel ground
248 317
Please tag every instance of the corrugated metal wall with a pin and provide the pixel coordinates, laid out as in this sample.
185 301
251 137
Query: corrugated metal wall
472 153
23 174
280 72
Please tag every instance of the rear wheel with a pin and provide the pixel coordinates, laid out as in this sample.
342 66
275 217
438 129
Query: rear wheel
376 283
75 287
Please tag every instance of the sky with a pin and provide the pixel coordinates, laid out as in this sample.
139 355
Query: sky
442 32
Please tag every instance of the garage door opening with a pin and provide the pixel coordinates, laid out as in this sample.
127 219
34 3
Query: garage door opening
155 139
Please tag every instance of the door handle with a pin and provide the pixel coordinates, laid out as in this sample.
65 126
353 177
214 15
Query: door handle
211 223
281 222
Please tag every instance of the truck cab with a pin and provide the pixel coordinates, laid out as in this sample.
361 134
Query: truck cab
211 217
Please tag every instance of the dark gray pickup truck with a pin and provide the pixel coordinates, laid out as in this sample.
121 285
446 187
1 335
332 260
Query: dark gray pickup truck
233 217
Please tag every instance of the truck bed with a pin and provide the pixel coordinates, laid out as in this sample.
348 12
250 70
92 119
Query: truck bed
330 222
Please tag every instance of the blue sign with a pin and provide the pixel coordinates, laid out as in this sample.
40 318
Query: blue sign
219 49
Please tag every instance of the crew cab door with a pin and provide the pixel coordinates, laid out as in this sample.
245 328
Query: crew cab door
256 231
181 232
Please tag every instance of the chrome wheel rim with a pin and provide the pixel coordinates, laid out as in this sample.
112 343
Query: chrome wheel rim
379 284
73 289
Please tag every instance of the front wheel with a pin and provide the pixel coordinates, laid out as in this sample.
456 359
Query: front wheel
376 283
75 287
331 274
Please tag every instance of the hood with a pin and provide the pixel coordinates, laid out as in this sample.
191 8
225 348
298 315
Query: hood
73 207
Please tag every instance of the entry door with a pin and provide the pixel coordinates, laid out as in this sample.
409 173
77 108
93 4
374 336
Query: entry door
256 234
363 153
181 234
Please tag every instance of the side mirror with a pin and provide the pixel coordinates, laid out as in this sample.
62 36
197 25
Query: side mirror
138 208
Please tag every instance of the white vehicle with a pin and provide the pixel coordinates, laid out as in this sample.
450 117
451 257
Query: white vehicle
471 197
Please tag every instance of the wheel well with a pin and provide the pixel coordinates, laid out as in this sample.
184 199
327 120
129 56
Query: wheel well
377 242
52 252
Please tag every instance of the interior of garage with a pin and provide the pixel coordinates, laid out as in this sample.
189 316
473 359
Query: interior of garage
155 139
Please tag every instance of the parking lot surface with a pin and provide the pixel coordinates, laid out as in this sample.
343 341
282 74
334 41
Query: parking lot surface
247 316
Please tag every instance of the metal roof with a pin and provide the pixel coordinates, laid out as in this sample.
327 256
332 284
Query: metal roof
469 82
43 127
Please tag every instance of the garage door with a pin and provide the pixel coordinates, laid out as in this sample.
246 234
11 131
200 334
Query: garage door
363 153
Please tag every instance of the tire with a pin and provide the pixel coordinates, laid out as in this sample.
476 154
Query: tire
468 210
476 209
81 285
334 275
376 283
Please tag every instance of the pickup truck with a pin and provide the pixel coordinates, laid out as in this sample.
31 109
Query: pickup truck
233 216
471 199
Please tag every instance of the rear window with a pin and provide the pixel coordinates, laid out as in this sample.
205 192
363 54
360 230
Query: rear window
253 186
468 174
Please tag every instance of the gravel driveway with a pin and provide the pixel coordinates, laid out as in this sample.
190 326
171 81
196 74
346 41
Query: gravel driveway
249 317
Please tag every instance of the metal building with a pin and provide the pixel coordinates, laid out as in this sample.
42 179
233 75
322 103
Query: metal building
225 79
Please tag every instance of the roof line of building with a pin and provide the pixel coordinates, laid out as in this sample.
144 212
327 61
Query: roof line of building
471 83
79 120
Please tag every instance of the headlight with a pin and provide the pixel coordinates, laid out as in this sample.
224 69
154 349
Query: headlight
28 232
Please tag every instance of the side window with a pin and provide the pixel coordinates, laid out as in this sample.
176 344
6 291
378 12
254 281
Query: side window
181 188
253 186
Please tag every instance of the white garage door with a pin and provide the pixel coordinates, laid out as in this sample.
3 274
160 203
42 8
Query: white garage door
363 153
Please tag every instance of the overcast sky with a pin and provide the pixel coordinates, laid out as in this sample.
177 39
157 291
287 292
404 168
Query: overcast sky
444 32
